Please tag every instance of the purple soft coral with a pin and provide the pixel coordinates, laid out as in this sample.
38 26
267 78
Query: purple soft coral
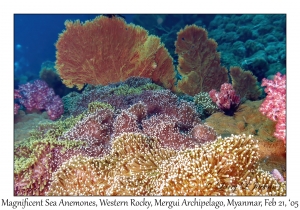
38 96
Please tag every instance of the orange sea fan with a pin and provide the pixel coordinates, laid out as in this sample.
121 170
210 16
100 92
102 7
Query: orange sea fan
199 62
245 83
107 50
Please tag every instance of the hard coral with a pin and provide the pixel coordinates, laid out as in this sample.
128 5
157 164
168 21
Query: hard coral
107 50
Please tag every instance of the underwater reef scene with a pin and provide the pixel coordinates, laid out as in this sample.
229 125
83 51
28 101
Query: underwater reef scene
159 105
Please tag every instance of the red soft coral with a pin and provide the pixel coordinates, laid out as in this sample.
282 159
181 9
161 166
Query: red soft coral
227 100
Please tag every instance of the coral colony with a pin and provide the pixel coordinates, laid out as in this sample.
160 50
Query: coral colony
144 124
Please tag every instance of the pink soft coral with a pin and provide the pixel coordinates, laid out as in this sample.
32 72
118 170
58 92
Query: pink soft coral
277 175
227 100
274 106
